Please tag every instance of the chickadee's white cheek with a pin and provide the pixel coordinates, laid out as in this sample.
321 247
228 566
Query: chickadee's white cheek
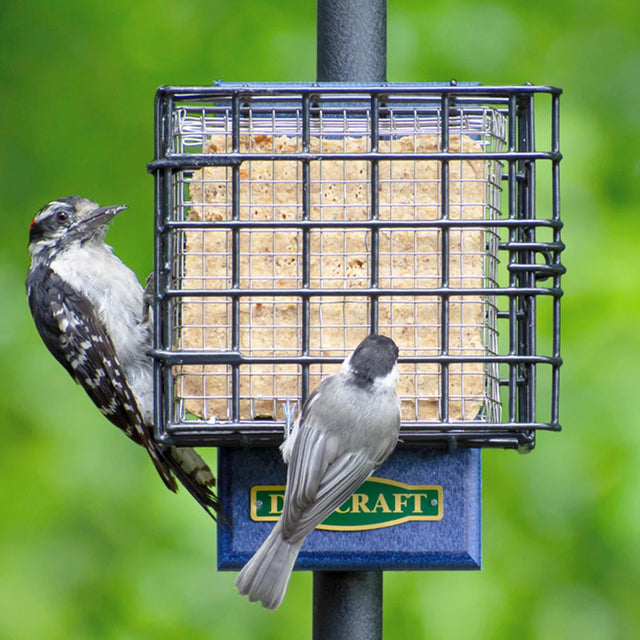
345 368
390 379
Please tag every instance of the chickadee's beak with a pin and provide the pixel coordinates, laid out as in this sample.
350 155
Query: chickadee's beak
102 215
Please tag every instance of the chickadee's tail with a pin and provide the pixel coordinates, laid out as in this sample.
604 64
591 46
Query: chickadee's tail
266 576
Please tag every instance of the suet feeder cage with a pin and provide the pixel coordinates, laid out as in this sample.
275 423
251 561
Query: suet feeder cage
293 220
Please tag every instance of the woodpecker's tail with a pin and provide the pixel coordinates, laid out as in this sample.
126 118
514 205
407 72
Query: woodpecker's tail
191 471
266 576
195 476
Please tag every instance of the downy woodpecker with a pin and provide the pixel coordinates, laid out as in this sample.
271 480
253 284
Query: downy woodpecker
90 311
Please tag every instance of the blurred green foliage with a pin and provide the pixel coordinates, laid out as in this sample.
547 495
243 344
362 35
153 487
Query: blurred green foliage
94 548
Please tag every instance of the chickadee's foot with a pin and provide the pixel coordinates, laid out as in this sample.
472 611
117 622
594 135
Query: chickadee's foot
289 411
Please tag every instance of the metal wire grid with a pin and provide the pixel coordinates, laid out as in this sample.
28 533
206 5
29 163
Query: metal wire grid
303 125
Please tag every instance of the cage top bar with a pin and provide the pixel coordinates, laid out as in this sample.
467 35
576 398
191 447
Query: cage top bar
346 89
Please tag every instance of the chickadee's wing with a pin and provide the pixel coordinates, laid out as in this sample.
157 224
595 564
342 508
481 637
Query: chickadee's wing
317 486
307 466
286 448
344 476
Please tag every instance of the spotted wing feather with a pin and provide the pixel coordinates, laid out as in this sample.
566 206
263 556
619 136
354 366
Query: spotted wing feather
75 335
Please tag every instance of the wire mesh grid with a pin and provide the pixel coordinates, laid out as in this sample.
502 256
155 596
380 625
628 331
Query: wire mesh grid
291 221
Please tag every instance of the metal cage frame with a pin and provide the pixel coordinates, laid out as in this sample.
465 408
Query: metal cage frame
530 247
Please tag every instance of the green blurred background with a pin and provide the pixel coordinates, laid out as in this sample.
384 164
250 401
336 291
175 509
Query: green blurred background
93 546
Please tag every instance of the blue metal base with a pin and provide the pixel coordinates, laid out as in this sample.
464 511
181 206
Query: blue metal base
453 542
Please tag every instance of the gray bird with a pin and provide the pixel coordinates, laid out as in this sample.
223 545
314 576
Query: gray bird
91 313
349 425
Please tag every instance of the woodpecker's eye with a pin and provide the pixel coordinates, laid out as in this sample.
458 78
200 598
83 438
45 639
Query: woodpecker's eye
62 216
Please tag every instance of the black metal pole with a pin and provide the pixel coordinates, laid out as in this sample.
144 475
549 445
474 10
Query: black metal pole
352 41
352 47
347 605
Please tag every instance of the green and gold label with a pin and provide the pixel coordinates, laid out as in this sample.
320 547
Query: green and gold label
376 504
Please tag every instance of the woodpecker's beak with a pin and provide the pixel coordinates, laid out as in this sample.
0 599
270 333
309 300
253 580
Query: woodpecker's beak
102 215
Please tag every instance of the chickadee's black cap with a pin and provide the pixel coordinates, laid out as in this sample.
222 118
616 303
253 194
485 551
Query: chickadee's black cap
374 358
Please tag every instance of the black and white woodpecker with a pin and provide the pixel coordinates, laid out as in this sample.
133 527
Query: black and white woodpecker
91 313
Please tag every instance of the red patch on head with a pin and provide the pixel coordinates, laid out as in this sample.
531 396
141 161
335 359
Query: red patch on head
32 223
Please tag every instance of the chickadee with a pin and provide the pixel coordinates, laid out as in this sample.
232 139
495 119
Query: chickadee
349 425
